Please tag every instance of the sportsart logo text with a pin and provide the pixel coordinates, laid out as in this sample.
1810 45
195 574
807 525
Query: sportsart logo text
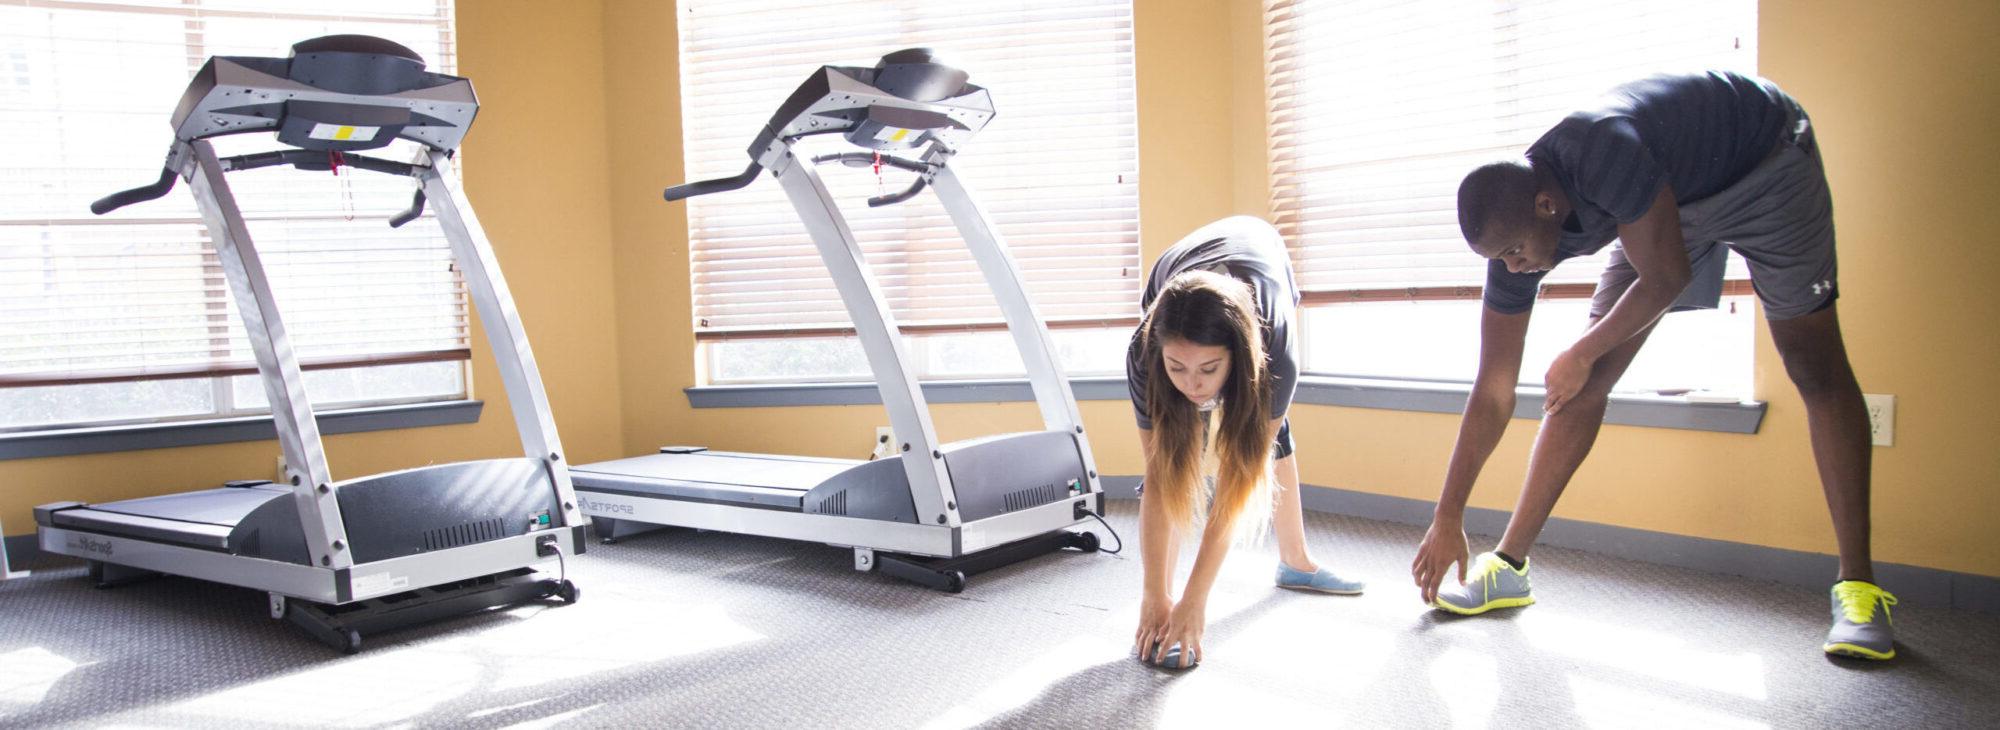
603 507
84 544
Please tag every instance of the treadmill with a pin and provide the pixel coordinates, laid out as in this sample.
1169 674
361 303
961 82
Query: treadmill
930 513
341 559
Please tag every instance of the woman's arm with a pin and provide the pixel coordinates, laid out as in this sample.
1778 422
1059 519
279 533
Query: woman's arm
1186 622
1189 617
1158 548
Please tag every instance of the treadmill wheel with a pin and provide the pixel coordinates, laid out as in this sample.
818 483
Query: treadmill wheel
954 581
568 592
353 642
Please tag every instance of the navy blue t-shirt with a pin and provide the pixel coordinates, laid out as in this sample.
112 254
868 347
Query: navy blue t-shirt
1699 132
1251 251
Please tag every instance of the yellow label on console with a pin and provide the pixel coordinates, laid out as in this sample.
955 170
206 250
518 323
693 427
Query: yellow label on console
892 134
343 132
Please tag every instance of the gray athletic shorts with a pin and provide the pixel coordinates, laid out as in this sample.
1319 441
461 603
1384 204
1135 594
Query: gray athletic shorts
1779 218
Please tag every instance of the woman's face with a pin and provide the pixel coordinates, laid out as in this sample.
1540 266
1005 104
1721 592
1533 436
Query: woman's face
1198 371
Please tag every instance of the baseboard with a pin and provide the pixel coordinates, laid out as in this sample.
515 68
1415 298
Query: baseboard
1911 583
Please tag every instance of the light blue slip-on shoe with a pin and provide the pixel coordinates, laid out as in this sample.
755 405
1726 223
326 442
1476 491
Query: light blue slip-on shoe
1323 581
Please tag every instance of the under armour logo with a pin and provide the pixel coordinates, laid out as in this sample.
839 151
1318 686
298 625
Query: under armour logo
1822 287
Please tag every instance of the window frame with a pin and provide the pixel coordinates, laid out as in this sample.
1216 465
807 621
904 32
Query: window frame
916 270
1278 160
219 376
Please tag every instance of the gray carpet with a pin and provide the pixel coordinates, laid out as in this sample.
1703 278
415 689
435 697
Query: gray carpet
711 630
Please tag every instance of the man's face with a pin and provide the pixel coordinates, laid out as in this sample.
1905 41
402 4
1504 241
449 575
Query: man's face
1530 249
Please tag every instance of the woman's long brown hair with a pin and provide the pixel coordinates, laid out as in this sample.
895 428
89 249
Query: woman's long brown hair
1211 310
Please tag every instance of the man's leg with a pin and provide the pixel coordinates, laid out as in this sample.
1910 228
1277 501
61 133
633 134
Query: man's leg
1564 439
1816 359
1289 522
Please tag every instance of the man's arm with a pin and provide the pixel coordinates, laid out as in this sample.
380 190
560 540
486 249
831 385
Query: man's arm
1502 337
1654 246
1501 340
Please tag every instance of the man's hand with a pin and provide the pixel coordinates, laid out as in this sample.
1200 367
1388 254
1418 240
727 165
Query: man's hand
1443 545
1153 613
1565 379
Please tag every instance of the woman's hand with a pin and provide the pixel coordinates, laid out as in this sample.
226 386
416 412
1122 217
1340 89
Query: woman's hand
1183 628
1153 613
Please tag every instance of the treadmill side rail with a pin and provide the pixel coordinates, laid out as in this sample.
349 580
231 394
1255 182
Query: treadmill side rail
320 585
298 581
1001 529
902 537
925 540
460 563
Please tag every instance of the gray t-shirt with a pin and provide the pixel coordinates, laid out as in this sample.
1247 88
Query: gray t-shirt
1248 250
1699 132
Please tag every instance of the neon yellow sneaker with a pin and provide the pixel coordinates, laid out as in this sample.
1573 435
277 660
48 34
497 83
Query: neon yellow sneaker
1491 584
1858 629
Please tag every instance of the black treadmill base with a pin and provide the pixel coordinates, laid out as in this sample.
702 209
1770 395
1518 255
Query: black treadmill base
112 575
949 574
342 627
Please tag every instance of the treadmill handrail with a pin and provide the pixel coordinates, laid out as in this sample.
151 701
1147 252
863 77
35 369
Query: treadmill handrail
718 185
299 158
150 191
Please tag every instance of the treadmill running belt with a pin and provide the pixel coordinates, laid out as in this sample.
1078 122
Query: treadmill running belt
755 480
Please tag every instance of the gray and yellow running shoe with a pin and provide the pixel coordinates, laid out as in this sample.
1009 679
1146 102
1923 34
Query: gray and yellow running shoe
1491 584
1861 624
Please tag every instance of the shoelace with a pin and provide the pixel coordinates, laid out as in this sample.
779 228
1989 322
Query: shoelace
1487 571
1858 601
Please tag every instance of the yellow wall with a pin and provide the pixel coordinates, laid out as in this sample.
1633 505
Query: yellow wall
1855 64
599 265
546 213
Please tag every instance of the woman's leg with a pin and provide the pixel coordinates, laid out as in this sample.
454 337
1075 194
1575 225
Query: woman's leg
1288 519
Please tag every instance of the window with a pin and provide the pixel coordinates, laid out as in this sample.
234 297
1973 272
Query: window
127 317
1377 109
1055 170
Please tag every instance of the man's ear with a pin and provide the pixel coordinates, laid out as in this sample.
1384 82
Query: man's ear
1545 204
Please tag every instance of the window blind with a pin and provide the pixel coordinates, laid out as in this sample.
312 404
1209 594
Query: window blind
86 92
1379 107
1055 170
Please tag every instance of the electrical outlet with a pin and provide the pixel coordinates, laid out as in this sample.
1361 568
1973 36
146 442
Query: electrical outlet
885 442
1881 418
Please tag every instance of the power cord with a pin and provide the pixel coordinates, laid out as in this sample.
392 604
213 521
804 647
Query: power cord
547 546
1107 528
